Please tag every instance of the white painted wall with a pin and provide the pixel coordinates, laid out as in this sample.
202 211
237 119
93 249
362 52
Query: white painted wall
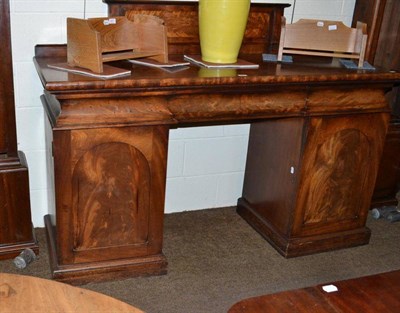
205 164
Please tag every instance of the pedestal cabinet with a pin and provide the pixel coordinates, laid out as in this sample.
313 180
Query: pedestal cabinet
310 194
113 185
16 232
383 50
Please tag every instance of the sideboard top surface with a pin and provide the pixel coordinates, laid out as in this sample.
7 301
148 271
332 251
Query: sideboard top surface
268 73
262 36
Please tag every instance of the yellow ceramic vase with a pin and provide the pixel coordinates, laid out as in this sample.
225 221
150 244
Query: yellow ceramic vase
222 24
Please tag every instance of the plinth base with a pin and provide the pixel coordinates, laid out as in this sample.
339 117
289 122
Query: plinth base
298 246
82 273
10 251
17 234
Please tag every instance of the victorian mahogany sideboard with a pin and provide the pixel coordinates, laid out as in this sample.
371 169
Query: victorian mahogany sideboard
16 230
316 137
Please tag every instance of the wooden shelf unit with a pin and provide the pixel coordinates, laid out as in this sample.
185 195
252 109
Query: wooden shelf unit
91 42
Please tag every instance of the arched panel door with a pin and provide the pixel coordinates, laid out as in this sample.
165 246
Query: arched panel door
111 197
338 173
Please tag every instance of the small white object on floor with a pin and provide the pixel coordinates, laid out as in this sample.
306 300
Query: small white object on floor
330 288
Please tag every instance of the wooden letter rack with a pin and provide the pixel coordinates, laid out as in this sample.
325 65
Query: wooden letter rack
323 38
90 42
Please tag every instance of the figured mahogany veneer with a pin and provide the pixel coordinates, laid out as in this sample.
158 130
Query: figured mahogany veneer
311 165
181 19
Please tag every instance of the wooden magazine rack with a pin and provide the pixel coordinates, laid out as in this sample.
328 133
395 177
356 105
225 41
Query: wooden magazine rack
323 38
91 42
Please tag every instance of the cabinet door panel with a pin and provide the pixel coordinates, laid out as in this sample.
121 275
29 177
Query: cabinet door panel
340 161
110 197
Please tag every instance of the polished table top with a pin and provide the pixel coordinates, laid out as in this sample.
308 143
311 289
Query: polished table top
304 71
370 294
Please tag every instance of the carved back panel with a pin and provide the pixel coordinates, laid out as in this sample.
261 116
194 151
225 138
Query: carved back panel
181 18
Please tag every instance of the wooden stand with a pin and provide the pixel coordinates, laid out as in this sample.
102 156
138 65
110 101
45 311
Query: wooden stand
323 38
94 41
16 231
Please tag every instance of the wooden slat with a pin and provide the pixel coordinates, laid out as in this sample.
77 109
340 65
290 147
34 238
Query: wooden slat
321 54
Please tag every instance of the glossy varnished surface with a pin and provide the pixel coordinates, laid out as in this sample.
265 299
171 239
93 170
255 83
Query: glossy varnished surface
153 96
194 77
371 294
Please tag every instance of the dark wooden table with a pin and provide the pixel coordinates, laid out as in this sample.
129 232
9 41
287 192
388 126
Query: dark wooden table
317 131
370 294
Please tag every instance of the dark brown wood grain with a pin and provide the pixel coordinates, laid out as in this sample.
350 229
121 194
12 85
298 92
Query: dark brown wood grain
311 127
370 294
388 179
371 13
382 17
305 201
8 141
113 214
16 231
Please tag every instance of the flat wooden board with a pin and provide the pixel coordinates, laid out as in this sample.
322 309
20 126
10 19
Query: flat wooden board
20 293
108 71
